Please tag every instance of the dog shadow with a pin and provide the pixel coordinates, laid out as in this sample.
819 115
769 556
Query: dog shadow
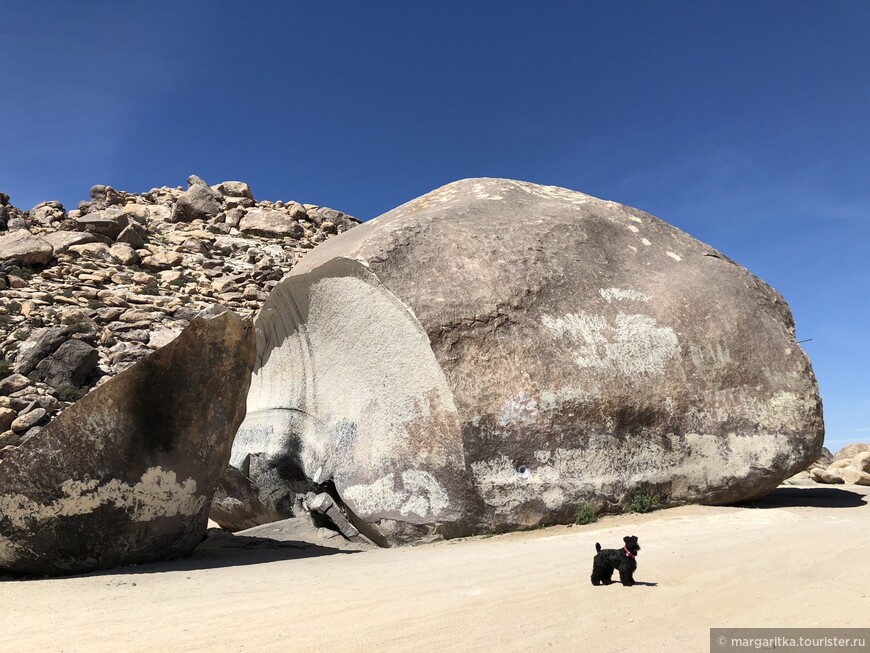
645 583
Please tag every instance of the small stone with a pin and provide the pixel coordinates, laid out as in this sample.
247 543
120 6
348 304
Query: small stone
7 416
826 476
193 180
132 235
71 364
197 202
124 254
270 224
23 422
161 261
194 245
108 223
96 251
235 189
13 383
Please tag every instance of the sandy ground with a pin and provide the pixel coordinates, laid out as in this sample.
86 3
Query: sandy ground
798 558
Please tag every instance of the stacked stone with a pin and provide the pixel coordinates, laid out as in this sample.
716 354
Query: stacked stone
84 294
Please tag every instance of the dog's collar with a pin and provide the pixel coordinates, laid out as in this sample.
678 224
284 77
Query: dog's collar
628 553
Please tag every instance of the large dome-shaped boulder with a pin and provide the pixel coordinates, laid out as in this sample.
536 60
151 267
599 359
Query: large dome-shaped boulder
126 474
495 353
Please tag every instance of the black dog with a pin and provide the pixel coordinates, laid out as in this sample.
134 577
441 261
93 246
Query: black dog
623 559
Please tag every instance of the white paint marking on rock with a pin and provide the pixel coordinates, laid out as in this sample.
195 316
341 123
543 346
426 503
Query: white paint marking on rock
619 294
635 345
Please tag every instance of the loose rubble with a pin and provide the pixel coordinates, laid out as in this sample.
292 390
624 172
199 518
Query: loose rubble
86 293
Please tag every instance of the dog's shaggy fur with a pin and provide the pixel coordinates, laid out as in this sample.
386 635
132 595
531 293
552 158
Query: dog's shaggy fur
606 560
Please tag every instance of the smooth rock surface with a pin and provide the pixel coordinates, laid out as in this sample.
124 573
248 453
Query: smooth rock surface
23 246
495 353
126 474
262 222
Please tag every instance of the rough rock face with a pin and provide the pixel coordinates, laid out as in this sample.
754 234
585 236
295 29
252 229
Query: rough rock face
236 504
126 475
495 353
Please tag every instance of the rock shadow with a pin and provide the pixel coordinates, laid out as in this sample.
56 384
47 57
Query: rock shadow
808 497
215 552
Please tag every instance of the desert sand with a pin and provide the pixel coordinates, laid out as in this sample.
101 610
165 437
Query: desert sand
797 558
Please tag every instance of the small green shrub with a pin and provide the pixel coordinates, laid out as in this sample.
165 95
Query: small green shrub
78 324
585 514
645 500
71 393
13 308
5 368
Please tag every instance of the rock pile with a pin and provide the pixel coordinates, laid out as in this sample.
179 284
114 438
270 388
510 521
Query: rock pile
851 465
85 294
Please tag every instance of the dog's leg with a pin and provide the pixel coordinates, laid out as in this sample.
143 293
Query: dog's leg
596 571
607 575
627 577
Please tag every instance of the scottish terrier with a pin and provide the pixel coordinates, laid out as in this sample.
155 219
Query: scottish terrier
606 560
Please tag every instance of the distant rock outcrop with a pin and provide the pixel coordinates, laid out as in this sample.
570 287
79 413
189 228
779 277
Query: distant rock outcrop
126 475
850 465
495 353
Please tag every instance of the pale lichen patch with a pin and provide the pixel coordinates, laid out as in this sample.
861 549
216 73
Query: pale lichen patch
420 496
633 345
157 494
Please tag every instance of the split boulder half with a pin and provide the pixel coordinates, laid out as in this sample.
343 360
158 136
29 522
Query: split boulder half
126 474
496 353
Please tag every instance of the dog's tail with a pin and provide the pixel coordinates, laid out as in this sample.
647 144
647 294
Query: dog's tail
597 548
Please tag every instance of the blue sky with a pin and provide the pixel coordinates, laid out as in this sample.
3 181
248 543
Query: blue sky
743 123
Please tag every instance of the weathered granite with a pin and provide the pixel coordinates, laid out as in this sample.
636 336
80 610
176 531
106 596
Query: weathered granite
495 353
